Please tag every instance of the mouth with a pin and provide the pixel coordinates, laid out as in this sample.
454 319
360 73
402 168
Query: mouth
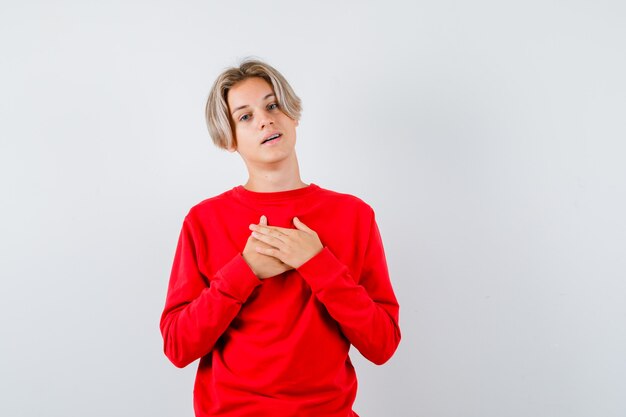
271 138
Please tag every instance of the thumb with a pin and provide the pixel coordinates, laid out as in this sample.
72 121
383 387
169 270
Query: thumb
263 221
300 225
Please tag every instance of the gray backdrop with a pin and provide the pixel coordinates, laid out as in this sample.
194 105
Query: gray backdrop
487 135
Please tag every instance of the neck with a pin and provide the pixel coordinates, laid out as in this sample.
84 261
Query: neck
268 178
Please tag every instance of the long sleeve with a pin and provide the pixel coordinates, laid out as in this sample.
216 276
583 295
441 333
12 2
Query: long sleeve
365 307
197 313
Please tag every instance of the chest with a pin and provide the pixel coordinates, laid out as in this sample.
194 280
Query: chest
226 231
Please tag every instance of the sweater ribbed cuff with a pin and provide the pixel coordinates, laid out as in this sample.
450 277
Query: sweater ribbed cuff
238 280
321 270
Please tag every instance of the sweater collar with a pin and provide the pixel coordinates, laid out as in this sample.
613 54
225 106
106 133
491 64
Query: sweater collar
260 197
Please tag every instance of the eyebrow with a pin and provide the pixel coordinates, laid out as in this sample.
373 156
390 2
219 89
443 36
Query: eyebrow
245 105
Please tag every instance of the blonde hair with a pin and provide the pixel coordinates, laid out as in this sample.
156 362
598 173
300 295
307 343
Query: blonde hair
216 111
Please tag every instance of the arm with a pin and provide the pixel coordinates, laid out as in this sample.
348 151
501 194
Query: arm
366 309
196 315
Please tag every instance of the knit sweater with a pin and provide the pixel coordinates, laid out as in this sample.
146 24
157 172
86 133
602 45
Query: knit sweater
279 346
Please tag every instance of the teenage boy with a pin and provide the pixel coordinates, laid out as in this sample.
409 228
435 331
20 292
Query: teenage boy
273 281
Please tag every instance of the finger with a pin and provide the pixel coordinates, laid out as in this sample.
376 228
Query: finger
263 221
301 226
268 251
272 241
259 242
269 231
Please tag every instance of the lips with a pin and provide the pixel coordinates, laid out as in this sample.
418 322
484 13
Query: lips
271 137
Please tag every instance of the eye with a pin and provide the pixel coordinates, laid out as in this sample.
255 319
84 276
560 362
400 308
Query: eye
272 106
244 118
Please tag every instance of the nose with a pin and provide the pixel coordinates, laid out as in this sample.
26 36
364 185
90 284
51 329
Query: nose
265 120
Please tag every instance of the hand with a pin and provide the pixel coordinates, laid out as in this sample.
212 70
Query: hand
291 246
262 265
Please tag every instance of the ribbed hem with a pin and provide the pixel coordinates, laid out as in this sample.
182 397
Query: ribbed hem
238 279
259 197
322 270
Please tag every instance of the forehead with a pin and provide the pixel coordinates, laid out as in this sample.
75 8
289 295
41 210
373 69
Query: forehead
248 92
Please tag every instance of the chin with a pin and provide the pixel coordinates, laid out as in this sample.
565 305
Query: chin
276 157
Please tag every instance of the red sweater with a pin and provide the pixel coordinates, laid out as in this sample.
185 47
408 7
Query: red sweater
278 347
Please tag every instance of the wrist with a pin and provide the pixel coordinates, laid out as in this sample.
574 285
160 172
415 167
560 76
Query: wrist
247 261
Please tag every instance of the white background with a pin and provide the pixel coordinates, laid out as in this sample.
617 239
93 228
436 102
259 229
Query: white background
487 135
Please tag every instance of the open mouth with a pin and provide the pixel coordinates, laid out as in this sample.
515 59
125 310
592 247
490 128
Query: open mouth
271 138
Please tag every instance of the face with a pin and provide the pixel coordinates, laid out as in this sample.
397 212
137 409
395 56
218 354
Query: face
264 134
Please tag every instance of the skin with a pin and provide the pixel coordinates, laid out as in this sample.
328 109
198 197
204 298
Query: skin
263 266
293 247
254 115
272 167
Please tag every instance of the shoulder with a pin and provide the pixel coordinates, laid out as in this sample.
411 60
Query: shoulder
210 205
346 201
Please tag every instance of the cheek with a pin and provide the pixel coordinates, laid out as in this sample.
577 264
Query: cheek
239 131
244 136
